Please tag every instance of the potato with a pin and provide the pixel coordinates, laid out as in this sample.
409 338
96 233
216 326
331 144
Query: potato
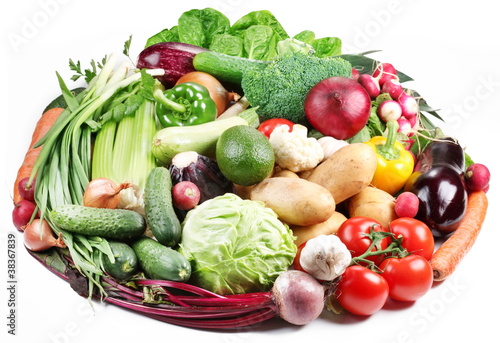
328 227
296 201
373 203
347 171
242 191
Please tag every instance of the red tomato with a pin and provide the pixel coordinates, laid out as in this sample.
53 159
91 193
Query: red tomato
417 236
362 291
352 233
409 278
267 126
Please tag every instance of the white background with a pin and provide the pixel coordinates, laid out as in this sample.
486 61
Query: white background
450 50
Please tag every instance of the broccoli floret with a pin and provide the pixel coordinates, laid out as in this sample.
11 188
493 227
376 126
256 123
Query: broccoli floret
279 90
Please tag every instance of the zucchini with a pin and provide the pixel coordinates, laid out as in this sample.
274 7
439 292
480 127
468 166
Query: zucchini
160 213
125 264
201 138
160 262
117 224
225 68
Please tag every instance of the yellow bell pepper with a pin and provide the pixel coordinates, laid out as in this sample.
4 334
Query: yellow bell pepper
394 163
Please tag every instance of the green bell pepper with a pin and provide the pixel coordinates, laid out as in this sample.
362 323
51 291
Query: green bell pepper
185 104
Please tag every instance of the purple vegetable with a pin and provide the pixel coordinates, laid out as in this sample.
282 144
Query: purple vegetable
440 186
173 57
202 171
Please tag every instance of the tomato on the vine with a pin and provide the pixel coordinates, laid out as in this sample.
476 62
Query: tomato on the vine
417 236
353 233
267 126
362 291
409 278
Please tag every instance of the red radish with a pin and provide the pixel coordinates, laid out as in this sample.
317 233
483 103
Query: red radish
384 72
406 205
22 213
389 110
355 74
338 107
370 84
38 236
477 177
26 189
409 105
405 126
393 88
185 195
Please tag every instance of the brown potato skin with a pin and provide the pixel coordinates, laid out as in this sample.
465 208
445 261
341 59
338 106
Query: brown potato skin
296 201
373 203
328 227
347 171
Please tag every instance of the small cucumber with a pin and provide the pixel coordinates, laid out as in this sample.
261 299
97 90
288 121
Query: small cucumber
225 68
126 263
160 213
201 138
104 222
160 262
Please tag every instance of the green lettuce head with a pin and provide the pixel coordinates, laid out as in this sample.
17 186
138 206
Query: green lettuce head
235 245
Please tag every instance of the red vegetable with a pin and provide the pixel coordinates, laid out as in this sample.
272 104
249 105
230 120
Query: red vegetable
409 278
385 72
22 213
370 84
26 189
185 195
362 291
338 107
353 233
267 126
477 177
417 237
173 57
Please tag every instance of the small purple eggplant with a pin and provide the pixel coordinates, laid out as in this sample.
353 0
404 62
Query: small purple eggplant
438 181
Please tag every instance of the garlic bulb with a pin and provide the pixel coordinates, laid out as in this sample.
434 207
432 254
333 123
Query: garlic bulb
325 257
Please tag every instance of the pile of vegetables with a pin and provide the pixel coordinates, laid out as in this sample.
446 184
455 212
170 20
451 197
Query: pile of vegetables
123 192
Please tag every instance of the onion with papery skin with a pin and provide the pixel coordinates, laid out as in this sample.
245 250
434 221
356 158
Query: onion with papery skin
103 193
38 236
218 93
338 107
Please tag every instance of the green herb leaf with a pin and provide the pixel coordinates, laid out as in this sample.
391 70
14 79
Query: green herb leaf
126 46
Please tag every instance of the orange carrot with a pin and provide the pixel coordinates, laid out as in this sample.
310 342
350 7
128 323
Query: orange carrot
453 250
42 126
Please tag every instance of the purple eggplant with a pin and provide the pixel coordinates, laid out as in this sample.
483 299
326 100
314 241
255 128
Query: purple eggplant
202 171
173 57
438 182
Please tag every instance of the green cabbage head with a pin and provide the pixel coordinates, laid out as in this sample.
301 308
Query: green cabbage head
235 245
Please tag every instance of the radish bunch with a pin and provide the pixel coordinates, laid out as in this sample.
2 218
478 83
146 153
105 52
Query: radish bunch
398 105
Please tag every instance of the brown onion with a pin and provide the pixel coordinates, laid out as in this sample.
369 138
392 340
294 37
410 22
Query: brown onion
38 236
218 93
103 193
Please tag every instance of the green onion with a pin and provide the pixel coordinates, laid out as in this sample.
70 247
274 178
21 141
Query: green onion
64 166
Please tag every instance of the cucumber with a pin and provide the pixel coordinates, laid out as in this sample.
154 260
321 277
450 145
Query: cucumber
160 213
126 263
225 68
160 262
104 222
201 138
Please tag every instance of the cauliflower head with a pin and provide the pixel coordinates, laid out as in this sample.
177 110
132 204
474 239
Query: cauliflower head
294 150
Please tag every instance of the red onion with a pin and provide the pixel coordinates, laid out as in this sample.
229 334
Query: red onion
338 107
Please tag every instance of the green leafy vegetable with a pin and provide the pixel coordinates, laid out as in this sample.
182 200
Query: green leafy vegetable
235 245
